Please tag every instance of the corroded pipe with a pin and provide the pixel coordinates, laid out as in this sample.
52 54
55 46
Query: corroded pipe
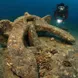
23 62
42 25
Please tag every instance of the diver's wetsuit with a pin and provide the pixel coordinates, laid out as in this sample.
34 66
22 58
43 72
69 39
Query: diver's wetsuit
61 13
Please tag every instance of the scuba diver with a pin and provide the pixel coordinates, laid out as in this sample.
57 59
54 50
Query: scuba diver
61 12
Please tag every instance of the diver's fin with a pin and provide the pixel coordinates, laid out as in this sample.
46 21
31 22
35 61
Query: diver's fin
47 18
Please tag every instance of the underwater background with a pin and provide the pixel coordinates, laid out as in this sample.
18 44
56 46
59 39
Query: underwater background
11 9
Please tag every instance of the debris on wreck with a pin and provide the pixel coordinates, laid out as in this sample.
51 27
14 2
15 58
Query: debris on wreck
67 63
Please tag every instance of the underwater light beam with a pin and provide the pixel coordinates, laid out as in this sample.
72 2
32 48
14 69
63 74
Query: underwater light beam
59 20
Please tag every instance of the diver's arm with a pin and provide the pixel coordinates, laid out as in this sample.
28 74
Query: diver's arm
55 14
66 12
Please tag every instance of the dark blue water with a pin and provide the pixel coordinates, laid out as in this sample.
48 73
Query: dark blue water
10 9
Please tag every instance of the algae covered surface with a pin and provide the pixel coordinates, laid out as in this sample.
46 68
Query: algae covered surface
27 55
57 60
